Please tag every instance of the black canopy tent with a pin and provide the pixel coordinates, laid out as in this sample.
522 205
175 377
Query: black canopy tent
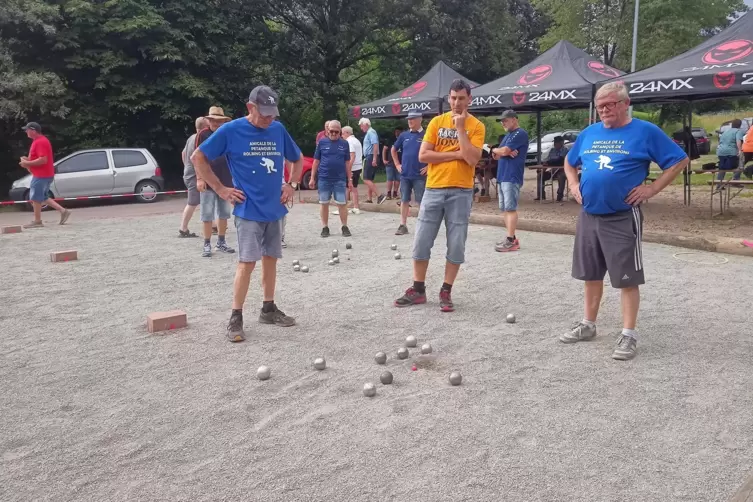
425 95
720 67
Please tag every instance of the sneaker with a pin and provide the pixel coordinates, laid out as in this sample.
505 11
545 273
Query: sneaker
222 246
578 333
276 317
325 232
626 348
368 201
445 301
186 233
354 210
401 230
381 199
235 331
389 196
336 212
411 297
207 250
507 245
346 231
64 216
483 193
34 224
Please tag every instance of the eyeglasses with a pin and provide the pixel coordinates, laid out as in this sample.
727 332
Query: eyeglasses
334 132
608 107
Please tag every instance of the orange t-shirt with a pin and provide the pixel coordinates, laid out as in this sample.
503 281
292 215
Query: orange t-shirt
442 134
748 142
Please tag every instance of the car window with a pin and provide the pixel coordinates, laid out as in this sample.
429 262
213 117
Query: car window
89 161
128 158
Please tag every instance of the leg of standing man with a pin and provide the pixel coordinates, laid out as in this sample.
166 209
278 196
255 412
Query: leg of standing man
192 202
38 195
509 194
356 176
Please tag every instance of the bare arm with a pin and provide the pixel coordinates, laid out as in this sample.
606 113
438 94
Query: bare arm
668 176
33 163
204 171
571 173
314 167
471 154
427 155
396 160
385 150
296 170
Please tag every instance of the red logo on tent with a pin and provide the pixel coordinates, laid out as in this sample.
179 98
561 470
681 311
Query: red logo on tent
519 97
603 69
535 75
728 52
395 108
356 111
414 89
724 80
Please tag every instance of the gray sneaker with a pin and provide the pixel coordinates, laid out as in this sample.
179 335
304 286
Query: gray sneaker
578 333
626 348
207 252
235 331
222 246
64 216
401 230
276 317
34 224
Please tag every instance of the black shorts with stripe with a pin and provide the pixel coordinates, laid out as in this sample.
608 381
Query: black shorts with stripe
610 243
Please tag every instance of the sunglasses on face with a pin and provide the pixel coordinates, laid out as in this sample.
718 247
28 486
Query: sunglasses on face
334 132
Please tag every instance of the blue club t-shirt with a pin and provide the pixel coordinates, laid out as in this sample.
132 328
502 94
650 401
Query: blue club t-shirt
614 161
256 158
332 157
511 170
409 143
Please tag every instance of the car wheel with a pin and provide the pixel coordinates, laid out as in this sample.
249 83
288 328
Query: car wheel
146 191
306 180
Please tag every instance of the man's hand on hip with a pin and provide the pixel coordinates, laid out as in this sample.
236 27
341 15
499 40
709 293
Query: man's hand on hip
232 195
640 194
575 191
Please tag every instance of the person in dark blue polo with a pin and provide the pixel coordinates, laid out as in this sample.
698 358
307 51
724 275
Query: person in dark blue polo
332 164
412 172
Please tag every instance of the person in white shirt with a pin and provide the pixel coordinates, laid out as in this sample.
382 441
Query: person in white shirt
356 157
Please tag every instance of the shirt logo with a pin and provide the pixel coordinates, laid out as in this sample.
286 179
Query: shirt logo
604 162
269 164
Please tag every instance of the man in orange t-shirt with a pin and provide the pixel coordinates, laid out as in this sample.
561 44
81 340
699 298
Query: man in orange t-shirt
40 164
748 153
451 147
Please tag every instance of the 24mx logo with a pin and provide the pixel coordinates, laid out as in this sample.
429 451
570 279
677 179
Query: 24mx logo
486 100
551 95
660 85
372 110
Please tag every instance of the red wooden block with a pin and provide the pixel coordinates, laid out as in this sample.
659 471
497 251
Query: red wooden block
163 321
64 256
13 229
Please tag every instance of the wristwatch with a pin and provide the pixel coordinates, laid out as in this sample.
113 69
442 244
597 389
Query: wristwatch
294 185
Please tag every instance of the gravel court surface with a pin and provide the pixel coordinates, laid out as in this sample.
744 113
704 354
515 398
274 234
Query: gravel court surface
96 408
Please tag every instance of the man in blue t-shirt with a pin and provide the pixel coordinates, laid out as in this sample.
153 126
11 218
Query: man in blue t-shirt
256 148
332 166
510 169
614 156
412 172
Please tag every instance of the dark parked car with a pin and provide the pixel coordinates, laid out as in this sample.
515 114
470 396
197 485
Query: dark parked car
701 140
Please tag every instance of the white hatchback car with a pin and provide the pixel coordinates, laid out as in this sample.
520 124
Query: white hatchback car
106 171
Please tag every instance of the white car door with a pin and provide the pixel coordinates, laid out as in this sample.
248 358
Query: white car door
84 174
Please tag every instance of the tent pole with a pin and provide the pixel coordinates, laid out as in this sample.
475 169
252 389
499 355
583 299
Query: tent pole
539 172
590 112
687 174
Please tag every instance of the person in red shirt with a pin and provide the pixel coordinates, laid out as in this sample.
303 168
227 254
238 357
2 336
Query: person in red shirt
322 134
40 164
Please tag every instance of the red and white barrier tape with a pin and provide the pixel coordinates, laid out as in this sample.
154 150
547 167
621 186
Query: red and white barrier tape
93 197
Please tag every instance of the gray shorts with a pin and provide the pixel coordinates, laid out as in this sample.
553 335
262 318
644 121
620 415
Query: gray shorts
610 243
257 239
451 205
194 198
214 207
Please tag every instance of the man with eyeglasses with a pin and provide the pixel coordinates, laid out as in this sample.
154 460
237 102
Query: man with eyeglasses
332 165
614 156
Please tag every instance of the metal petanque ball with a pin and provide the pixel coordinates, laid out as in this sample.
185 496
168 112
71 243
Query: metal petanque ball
320 363
332 262
335 253
297 268
426 348
386 378
296 262
511 318
348 246
263 373
456 378
304 268
410 341
397 256
369 390
402 353
393 247
336 259
380 358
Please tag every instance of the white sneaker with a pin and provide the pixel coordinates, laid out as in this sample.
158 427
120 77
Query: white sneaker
336 212
354 210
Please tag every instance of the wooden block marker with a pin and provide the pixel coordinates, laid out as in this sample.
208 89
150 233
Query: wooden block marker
64 256
163 321
13 229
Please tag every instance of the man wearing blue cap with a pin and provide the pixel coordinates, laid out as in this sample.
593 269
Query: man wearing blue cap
256 148
412 172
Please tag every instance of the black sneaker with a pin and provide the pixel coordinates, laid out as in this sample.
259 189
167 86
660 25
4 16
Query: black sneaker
235 331
381 199
411 297
346 231
325 232
401 230
276 317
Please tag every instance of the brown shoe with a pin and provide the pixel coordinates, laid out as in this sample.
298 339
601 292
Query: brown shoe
34 224
64 216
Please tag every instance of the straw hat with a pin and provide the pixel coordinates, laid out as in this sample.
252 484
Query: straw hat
217 113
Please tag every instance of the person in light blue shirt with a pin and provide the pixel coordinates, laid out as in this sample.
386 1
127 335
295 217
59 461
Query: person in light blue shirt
728 150
614 156
370 160
256 148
